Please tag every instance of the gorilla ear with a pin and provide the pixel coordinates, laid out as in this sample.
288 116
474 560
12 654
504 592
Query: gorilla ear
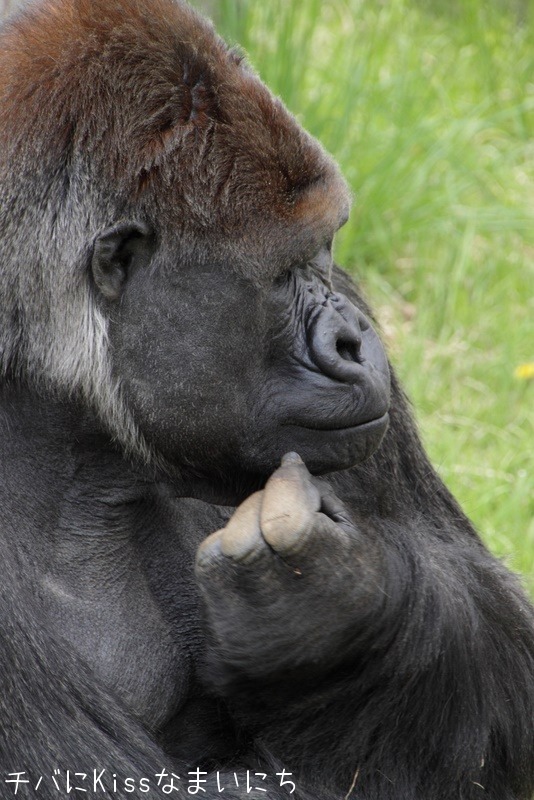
115 252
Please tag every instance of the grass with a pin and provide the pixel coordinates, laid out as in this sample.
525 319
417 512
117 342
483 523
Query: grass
429 108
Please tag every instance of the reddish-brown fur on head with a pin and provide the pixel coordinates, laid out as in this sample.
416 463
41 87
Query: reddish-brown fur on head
147 101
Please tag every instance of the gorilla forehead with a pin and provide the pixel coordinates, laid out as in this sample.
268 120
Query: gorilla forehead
173 119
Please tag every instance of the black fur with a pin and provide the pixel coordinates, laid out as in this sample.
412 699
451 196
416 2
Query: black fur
169 328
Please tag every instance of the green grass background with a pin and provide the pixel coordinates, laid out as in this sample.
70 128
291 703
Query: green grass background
428 106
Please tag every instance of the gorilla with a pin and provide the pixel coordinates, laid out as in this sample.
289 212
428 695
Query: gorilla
229 567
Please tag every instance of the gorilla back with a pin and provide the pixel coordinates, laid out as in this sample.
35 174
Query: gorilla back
171 329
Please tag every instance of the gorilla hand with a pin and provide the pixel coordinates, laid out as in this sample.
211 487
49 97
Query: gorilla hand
288 581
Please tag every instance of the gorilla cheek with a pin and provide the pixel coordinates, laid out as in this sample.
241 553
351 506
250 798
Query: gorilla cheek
185 372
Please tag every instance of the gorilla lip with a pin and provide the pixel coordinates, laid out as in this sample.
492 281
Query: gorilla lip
361 426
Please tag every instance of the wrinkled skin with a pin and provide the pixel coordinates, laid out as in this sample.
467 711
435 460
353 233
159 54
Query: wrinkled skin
223 545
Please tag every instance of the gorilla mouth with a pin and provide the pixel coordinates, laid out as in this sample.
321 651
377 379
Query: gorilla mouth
334 427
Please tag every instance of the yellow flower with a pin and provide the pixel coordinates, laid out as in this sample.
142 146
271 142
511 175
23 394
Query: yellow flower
524 372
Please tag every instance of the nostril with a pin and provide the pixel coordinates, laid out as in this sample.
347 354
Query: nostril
349 350
337 336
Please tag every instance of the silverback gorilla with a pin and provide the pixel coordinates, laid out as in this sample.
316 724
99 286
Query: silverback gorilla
225 552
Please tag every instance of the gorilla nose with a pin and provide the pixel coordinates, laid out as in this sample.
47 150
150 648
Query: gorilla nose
337 338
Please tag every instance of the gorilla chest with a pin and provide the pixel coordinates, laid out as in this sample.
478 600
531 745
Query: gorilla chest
116 627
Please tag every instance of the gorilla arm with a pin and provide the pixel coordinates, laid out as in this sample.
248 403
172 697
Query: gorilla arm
332 622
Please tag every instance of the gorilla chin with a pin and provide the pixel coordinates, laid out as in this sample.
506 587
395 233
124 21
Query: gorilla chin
330 449
323 450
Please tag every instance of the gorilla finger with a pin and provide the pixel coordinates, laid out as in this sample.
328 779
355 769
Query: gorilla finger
242 539
289 504
332 506
209 551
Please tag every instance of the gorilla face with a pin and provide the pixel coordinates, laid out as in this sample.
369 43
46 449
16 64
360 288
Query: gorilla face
249 369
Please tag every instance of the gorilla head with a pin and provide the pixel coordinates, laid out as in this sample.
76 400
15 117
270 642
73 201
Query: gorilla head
175 266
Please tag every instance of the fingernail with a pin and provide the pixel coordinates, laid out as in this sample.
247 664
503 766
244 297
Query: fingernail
291 458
